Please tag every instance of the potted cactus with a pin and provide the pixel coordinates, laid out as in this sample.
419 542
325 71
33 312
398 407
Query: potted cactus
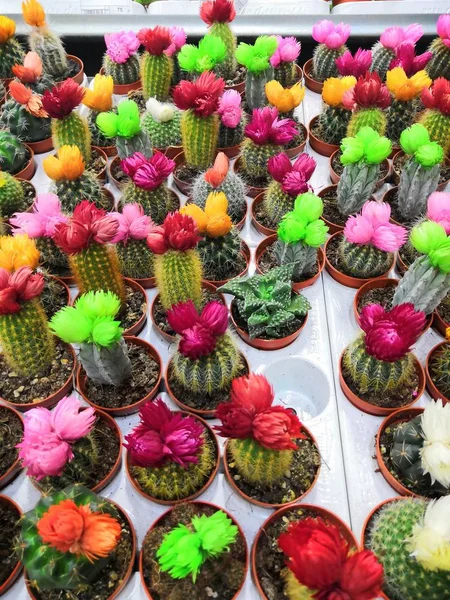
300 234
377 371
284 61
10 515
178 36
11 434
11 51
232 123
354 65
385 50
438 379
368 100
162 123
31 72
194 547
12 195
436 116
156 65
121 61
332 39
266 313
172 457
207 56
70 445
439 66
99 99
256 60
270 458
200 373
286 100
16 158
74 541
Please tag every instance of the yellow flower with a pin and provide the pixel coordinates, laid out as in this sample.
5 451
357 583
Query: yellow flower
447 334
7 29
284 99
2 179
404 88
68 165
214 220
18 251
197 214
33 13
219 225
334 89
100 98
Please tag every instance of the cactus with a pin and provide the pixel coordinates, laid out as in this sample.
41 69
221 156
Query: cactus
162 123
232 136
120 60
255 86
439 64
156 66
439 366
257 464
22 123
12 196
284 61
400 116
218 15
368 100
11 51
156 203
13 154
436 117
255 158
381 59
97 268
333 123
363 261
122 73
324 62
256 59
371 117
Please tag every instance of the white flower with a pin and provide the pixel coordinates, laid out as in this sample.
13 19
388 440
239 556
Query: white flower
430 539
435 452
160 111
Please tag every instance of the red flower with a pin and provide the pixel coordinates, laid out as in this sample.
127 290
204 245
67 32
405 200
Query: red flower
276 428
202 95
148 173
369 92
178 232
266 128
354 65
155 40
237 421
438 96
182 316
217 11
390 334
293 178
20 286
253 392
156 240
60 101
362 576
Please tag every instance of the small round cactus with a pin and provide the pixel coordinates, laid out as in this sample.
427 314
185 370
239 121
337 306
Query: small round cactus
13 153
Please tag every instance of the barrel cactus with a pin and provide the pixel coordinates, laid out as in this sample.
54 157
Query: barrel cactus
24 115
436 116
368 100
13 153
384 51
121 60
284 60
156 65
334 118
332 39
439 65
11 51
12 195
162 123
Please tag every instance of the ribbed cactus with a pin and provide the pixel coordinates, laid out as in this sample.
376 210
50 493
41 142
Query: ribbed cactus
363 261
178 277
156 203
439 65
220 255
370 117
122 73
438 126
162 123
232 136
256 59
21 123
255 157
13 154
257 464
11 51
439 367
200 137
255 84
135 259
399 116
12 195
381 59
73 130
156 66
97 268
333 123
324 62
87 186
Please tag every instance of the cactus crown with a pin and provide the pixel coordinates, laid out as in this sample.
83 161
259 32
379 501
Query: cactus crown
62 99
161 112
416 142
266 128
303 225
121 46
41 222
148 173
284 99
209 54
18 251
256 58
366 147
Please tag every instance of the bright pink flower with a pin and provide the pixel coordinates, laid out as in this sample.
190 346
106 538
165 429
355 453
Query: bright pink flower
293 178
44 456
217 11
164 436
443 29
372 227
437 96
354 65
69 422
405 57
17 287
120 46
197 341
287 51
156 41
201 96
266 128
178 232
132 163
390 334
215 317
438 209
369 92
279 166
148 173
42 221
295 183
60 101
230 110
394 36
358 230
133 224
333 36
178 37
182 316
377 213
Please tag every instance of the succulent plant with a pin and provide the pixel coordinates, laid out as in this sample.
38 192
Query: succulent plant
436 117
162 123
124 127
334 118
368 100
439 368
11 51
156 65
256 59
283 60
24 115
12 195
121 59
99 99
332 39
13 153
439 65
384 51
217 14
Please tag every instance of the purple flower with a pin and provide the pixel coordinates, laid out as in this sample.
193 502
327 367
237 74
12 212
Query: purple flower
148 173
287 51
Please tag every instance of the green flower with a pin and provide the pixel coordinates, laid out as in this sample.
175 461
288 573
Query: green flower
304 223
431 239
367 144
71 325
292 229
309 206
211 51
413 138
98 304
256 58
429 155
352 150
316 234
126 123
106 332
378 150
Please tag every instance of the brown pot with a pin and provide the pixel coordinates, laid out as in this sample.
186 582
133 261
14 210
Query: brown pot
16 467
170 151
41 146
3 99
296 150
29 169
379 411
131 408
396 179
332 227
267 242
439 324
78 78
183 186
400 265
18 568
122 89
348 280
335 177
325 514
256 224
102 175
116 161
431 386
252 191
109 150
64 285
388 197
317 144
164 516
311 83
231 151
245 251
211 478
263 344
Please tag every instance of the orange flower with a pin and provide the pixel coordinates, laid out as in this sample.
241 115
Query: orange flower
76 529
18 251
404 88
284 99
31 70
217 173
214 220
23 95
7 29
100 98
33 13
68 165
334 89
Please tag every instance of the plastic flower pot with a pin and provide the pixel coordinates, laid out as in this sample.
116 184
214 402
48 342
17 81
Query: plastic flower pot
245 252
64 285
203 489
257 224
252 191
16 467
311 83
335 178
110 199
114 164
431 386
130 408
79 76
348 280
5 500
122 89
297 286
396 179
102 154
400 265
238 87
109 150
296 150
439 324
231 151
318 145
388 197
163 517
327 515
29 169
182 185
41 146
380 411
332 227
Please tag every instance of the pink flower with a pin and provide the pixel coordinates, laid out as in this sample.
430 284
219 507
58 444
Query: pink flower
333 36
443 29
120 46
372 227
377 213
405 57
42 221
133 224
287 51
17 287
69 422
178 36
358 230
266 128
439 209
354 65
132 163
215 317
148 173
230 108
394 36
293 178
197 341
45 456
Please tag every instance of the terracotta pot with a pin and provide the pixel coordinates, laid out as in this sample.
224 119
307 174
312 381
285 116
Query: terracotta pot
79 76
379 411
41 146
122 89
335 177
252 191
400 265
262 344
332 227
16 467
183 186
327 515
170 151
114 163
51 400
18 568
296 150
102 175
109 150
29 169
311 83
269 241
239 87
317 144
245 251
164 516
231 151
348 280
205 414
431 386
388 197
211 478
439 324
64 285
256 224
396 179
131 408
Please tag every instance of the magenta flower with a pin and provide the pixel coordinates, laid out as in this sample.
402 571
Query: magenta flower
69 422
287 51
266 128
390 334
148 173
394 36
164 436
230 110
372 227
134 224
438 209
293 178
405 57
333 36
443 29
354 65
178 36
120 46
42 221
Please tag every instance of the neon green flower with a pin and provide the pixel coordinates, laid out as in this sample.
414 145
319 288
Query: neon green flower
430 154
304 223
367 145
413 138
211 52
256 58
431 239
126 123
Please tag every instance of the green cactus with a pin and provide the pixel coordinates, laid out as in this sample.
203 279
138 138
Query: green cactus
229 136
232 186
381 60
72 191
439 65
12 195
400 116
257 464
45 82
363 261
208 56
324 62
122 73
156 203
72 130
156 76
178 277
13 154
255 87
276 204
51 51
286 74
11 53
23 124
333 123
50 254
2 90
438 125
97 137
255 157
367 117
135 259
227 68
220 255
256 59
165 133
440 370
200 136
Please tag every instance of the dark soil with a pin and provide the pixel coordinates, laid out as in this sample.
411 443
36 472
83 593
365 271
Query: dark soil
9 530
203 401
262 218
56 270
299 139
304 466
106 201
108 580
408 254
117 173
338 167
267 261
316 130
335 259
29 190
238 78
331 211
395 214
257 182
218 274
144 375
381 296
400 161
73 68
97 163
11 433
135 307
444 310
185 173
286 330
29 390
138 97
53 297
219 578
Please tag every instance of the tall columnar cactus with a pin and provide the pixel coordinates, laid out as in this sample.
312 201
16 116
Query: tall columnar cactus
156 66
184 469
178 36
12 195
232 119
217 14
207 56
200 122
368 100
332 39
162 123
439 65
427 281
379 361
121 60
58 560
410 539
178 269
436 117
384 51
31 73
284 60
148 184
98 100
11 52
334 118
256 59
421 173
361 157
68 127
439 368
72 183
13 154
124 127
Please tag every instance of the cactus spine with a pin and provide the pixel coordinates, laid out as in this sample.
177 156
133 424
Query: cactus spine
440 370
367 117
11 53
400 116
324 62
232 186
13 154
72 191
257 464
286 74
135 259
156 76
255 158
381 60
255 87
356 186
72 130
227 68
23 124
276 203
333 123
363 261
232 136
156 203
164 134
438 126
12 196
51 254
179 277
51 51
122 73
219 255
439 65
417 183
200 137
